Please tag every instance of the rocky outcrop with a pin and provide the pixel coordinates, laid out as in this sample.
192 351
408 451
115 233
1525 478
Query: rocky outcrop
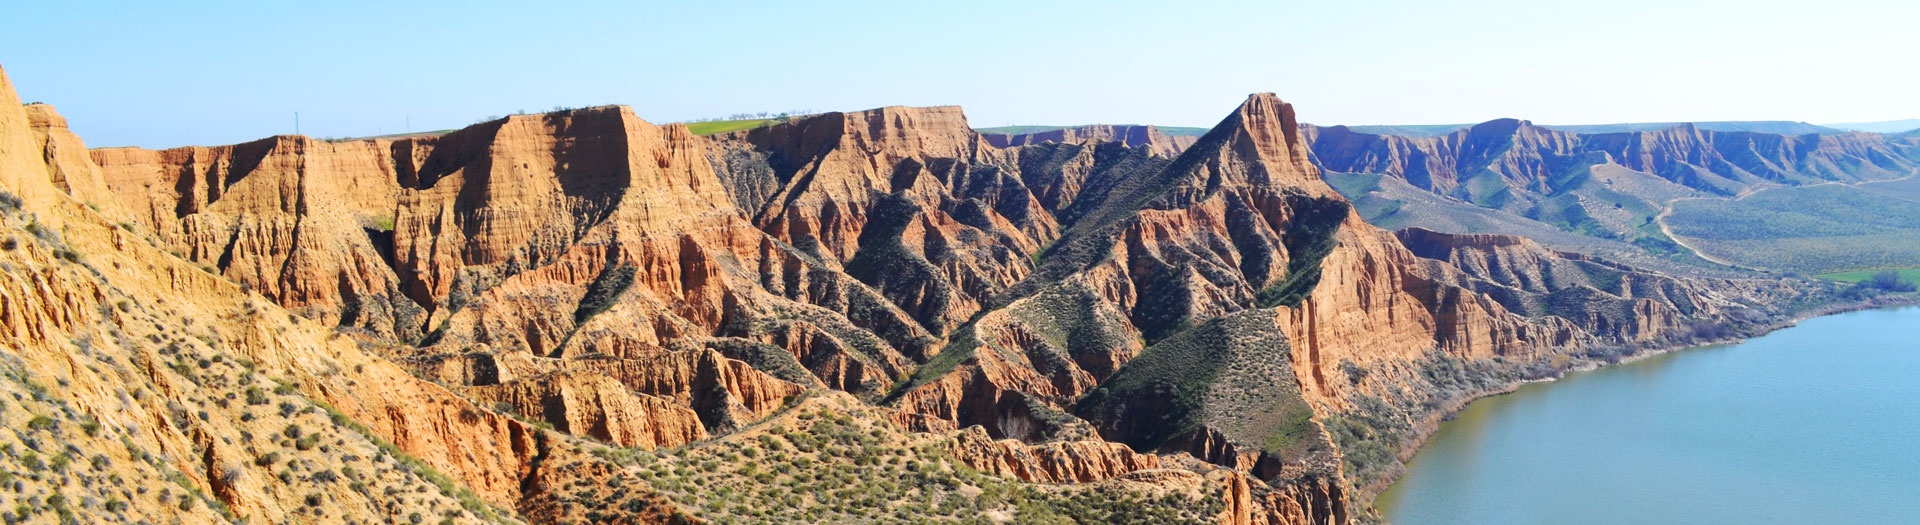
169 373
596 406
1615 303
1155 141
1060 462
520 234
908 200
1111 305
304 222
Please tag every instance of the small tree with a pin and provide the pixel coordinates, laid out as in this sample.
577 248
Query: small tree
1891 281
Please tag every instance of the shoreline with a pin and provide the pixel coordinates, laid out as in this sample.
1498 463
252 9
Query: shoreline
1424 429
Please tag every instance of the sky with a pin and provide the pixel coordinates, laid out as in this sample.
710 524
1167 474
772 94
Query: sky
157 74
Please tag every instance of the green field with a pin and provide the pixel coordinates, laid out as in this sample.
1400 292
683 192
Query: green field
1812 229
723 126
1911 275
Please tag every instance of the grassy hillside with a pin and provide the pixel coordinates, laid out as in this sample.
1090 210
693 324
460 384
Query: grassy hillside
1220 375
833 460
723 126
1814 229
1393 204
1911 275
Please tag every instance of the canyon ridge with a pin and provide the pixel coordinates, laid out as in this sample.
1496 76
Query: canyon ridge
868 316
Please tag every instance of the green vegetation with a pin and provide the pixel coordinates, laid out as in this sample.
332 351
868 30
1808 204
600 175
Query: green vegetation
722 126
447 486
824 464
1812 229
1309 239
1880 282
1911 275
601 294
1232 374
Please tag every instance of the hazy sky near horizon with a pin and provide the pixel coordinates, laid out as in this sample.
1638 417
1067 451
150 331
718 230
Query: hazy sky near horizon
159 74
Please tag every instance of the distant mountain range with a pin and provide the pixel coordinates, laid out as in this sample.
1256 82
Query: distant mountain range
1780 127
1606 187
1025 130
1888 126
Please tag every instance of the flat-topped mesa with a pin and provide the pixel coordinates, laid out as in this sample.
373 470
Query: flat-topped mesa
830 168
888 134
300 220
1533 160
1156 141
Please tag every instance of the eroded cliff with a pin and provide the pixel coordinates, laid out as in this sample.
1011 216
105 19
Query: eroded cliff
1106 316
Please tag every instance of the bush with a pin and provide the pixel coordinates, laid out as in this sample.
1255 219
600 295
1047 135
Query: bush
603 291
1889 280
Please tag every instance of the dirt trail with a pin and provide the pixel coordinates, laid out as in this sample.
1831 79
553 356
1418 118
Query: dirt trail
1661 219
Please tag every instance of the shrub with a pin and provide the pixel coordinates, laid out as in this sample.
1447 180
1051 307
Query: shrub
603 291
1889 280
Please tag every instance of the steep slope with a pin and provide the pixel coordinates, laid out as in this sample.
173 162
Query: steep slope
568 263
907 200
213 404
1121 317
162 342
1235 259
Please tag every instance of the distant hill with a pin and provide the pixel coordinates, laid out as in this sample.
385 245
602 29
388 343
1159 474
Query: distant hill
1177 131
1416 130
1673 190
1885 126
1777 127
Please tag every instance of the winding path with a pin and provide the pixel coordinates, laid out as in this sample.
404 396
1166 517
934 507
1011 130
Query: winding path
1661 219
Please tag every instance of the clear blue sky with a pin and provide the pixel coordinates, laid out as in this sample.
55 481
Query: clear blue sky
157 74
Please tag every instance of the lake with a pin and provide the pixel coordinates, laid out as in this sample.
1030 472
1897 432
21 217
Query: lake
1818 423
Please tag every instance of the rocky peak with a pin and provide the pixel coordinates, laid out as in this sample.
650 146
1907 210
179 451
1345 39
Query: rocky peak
1270 126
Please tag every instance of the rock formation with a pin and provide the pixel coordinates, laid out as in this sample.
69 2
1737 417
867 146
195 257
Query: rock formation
1157 142
234 409
1108 308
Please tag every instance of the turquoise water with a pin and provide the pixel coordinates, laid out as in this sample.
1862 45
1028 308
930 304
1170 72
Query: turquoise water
1819 423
